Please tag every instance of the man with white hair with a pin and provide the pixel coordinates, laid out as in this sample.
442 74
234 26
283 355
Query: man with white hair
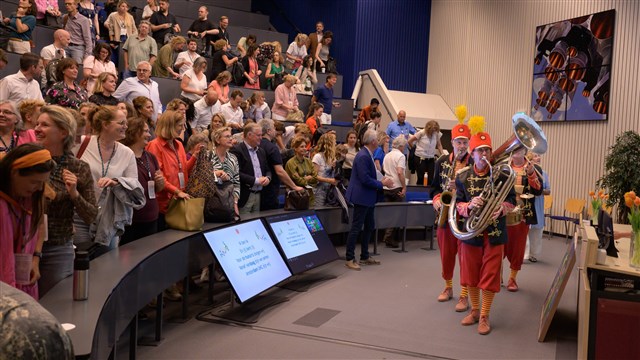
141 85
394 166
362 191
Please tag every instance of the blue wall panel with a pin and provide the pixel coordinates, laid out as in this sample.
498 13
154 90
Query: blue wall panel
391 36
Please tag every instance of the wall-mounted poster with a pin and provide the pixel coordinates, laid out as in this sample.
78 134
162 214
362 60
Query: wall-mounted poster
572 69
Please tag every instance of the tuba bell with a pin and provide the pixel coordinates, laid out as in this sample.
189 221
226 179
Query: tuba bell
527 134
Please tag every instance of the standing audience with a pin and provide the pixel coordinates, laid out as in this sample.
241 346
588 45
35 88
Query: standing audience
252 70
324 161
141 85
394 166
72 182
24 171
285 104
274 72
362 193
324 95
23 84
96 64
187 58
139 48
145 220
66 91
428 149
11 132
172 160
21 25
163 66
103 90
29 112
163 23
232 111
79 28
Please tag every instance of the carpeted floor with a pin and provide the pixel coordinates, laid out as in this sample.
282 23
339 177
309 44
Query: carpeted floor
382 312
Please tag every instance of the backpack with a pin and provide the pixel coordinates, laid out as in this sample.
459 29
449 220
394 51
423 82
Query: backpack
50 73
237 74
360 129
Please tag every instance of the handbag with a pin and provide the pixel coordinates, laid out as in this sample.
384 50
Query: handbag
185 214
219 208
297 200
53 21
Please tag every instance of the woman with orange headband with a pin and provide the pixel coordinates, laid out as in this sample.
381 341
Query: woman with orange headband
24 171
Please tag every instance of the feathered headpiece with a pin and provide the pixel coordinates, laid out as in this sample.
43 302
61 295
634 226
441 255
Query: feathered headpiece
460 130
479 138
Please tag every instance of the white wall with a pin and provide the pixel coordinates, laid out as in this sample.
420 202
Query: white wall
481 54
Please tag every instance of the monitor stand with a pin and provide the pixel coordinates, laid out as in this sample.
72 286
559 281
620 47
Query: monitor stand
304 281
248 312
611 248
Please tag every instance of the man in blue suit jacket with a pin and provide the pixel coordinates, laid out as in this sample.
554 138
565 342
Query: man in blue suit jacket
362 193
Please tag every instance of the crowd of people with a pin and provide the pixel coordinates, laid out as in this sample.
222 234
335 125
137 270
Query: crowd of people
96 162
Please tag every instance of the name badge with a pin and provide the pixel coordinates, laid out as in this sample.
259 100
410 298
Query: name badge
181 179
151 189
23 268
123 31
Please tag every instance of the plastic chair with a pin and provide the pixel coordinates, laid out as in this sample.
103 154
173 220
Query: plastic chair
572 213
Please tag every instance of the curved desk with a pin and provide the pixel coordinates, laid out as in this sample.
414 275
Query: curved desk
123 280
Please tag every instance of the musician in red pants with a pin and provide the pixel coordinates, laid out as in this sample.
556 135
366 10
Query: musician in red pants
444 180
481 255
528 185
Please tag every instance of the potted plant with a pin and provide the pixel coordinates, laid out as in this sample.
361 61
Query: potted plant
622 173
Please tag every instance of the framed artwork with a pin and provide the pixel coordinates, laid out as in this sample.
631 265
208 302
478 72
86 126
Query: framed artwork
572 69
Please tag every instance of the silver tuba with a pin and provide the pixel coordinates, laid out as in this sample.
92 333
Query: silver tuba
501 177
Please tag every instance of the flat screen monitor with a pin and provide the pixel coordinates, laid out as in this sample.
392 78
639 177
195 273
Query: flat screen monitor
248 257
302 239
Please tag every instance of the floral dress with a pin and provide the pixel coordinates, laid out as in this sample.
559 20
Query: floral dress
61 94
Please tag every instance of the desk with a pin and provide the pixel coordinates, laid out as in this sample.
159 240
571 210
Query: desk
613 294
123 280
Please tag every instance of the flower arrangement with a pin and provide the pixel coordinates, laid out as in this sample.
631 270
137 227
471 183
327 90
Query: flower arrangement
633 203
596 203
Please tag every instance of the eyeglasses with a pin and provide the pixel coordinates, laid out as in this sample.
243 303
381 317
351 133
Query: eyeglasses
7 112
143 70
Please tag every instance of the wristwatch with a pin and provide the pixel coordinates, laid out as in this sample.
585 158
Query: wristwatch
38 254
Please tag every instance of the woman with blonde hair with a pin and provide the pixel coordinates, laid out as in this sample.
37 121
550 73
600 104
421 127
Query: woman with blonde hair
71 180
274 69
381 151
163 66
225 164
221 60
296 52
323 162
217 121
172 160
221 86
428 148
103 89
29 111
121 24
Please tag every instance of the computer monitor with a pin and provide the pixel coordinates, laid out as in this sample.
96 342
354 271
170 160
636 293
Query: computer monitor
302 239
604 229
249 258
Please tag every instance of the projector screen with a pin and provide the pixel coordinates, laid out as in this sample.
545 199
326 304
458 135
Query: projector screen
302 239
248 257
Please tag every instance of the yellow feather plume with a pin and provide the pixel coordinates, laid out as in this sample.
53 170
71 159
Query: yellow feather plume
476 124
461 113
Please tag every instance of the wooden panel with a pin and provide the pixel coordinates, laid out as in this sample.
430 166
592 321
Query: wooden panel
484 60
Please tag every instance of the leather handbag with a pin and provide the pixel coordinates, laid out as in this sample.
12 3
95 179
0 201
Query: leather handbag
219 208
297 200
185 214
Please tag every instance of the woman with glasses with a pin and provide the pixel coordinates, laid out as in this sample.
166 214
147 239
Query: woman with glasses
172 160
97 64
66 92
71 180
225 164
11 131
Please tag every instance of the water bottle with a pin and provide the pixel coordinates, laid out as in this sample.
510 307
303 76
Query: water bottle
81 276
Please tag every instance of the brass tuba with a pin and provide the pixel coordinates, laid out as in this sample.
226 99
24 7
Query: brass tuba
501 177
446 197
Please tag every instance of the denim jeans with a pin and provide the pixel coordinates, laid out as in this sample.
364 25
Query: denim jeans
362 215
76 52
55 265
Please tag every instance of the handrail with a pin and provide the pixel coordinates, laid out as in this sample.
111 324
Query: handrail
377 92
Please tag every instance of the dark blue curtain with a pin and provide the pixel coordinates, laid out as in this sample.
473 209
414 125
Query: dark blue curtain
391 36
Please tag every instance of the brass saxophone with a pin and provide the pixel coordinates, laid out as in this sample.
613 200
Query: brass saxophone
446 197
